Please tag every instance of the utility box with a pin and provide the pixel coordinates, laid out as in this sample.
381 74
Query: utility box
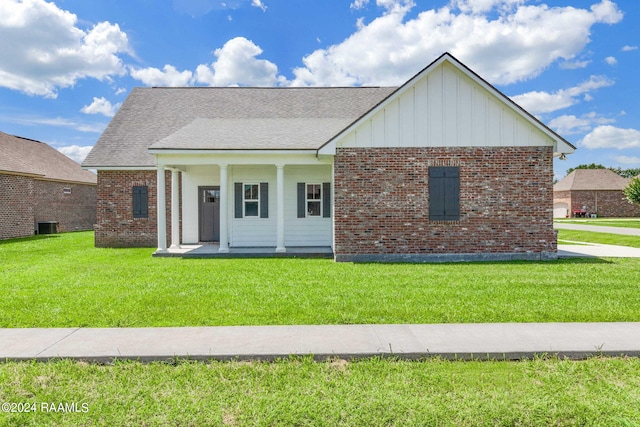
47 227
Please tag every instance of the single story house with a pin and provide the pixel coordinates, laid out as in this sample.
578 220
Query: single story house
40 187
592 191
444 167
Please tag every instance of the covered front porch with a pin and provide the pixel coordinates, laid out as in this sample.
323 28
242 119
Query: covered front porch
225 205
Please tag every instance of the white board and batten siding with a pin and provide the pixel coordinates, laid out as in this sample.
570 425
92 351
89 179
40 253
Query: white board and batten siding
445 108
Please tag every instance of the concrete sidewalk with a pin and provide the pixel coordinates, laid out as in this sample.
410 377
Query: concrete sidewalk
596 250
464 341
598 229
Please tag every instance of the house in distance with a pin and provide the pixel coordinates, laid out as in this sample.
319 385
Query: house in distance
42 189
442 168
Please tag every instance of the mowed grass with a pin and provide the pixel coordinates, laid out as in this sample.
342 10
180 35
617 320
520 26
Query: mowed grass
301 392
597 237
63 281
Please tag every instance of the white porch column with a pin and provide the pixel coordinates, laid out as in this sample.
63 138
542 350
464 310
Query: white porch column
280 209
175 209
224 209
162 210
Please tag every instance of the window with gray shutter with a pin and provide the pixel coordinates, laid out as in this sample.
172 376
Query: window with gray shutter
251 200
314 200
444 193
140 202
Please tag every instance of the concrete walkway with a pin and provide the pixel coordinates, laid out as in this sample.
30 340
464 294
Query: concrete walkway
464 341
598 228
596 250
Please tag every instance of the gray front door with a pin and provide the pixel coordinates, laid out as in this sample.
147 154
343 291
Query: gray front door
209 218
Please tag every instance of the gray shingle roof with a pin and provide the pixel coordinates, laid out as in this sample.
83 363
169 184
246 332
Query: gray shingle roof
28 157
228 118
591 179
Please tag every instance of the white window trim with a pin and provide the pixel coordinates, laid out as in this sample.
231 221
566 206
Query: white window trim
244 200
307 200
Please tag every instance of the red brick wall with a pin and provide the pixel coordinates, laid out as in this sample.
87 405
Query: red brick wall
16 206
382 201
74 211
611 203
115 226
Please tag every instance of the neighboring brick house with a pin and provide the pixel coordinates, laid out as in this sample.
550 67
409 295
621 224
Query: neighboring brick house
592 191
40 184
444 167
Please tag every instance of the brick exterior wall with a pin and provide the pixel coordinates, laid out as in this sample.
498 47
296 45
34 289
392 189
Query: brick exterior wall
115 225
16 206
382 201
605 203
74 211
25 201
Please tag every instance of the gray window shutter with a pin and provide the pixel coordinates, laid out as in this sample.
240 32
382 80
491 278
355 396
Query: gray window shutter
140 202
264 200
452 194
238 199
302 200
326 200
444 193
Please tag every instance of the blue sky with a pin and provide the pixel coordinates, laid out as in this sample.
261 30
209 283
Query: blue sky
67 65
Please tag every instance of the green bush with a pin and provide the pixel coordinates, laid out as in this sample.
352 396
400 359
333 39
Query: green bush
633 190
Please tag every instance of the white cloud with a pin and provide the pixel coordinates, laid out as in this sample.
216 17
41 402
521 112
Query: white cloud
612 137
42 49
574 64
629 48
627 160
544 102
81 126
168 76
236 64
101 106
611 60
358 4
515 42
259 4
571 125
75 152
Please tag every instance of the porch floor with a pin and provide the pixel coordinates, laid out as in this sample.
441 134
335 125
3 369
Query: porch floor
212 251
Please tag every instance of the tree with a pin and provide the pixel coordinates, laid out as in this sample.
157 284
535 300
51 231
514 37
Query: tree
625 173
632 191
591 166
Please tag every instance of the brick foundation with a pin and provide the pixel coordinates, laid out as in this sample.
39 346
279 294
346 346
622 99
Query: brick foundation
382 202
115 225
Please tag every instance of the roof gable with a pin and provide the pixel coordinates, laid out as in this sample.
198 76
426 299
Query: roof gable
591 179
447 104
22 156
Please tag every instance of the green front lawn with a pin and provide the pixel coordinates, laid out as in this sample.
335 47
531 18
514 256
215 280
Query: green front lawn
300 392
597 237
63 281
609 222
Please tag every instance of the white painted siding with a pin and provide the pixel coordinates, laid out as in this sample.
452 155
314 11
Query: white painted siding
304 231
253 231
445 108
